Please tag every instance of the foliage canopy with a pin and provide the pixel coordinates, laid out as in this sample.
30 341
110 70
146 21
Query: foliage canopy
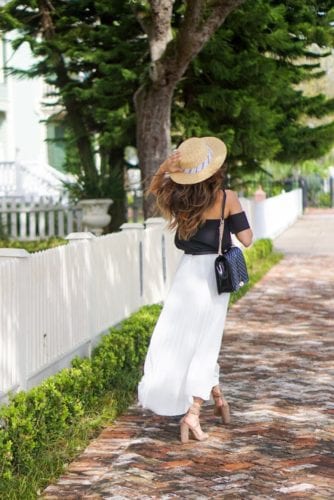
243 86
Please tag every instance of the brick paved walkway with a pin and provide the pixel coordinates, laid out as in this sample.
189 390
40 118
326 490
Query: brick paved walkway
277 372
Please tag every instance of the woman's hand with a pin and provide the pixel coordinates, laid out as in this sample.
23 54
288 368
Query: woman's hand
171 164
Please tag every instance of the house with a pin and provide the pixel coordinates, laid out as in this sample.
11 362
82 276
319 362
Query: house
31 163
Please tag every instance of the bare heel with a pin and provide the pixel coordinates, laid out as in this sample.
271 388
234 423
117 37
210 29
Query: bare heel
223 411
222 408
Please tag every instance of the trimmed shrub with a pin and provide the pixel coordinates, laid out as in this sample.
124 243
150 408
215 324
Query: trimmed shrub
53 407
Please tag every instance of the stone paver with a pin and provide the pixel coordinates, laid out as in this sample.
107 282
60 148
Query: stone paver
277 362
311 234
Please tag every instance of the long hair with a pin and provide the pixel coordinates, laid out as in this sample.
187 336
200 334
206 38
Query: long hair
183 205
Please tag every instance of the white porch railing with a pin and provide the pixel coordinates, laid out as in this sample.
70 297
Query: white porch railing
55 304
31 178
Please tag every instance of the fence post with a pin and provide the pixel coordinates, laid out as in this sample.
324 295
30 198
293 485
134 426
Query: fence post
155 266
89 238
155 221
19 311
130 226
85 235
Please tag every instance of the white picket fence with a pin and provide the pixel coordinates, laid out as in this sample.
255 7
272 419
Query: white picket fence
26 219
270 217
55 304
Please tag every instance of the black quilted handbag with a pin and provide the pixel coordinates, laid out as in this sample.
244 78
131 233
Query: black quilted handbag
230 266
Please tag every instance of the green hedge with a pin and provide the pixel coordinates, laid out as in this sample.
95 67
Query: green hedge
34 421
55 406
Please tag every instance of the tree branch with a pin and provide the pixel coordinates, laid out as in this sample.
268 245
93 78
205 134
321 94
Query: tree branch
47 9
161 34
192 15
201 20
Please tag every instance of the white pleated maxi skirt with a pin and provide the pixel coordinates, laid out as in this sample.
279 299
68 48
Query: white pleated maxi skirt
181 361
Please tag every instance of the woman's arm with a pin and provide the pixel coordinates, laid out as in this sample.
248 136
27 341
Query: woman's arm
170 165
234 207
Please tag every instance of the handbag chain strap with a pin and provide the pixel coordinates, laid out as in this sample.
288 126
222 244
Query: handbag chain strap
221 225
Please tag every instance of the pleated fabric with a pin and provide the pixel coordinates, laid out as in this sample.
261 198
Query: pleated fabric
181 361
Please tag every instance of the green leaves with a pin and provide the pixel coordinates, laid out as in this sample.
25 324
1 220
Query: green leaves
242 86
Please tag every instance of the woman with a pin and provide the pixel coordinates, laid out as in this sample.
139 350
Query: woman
181 367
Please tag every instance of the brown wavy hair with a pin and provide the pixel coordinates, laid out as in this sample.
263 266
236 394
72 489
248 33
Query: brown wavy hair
183 205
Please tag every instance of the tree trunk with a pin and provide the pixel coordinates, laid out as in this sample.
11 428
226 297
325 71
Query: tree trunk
153 108
118 216
114 172
170 58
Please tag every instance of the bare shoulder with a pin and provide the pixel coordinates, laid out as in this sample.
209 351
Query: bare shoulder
233 205
231 195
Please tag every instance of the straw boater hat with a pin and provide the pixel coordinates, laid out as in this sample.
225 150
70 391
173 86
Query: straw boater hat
201 157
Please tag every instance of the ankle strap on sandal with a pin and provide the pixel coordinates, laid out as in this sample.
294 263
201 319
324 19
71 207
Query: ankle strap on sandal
195 408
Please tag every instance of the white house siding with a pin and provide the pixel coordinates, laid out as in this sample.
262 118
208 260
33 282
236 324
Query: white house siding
23 131
25 97
4 107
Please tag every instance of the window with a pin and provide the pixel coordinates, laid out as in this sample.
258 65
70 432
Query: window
56 144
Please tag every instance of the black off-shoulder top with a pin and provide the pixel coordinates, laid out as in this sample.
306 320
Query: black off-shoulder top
206 239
